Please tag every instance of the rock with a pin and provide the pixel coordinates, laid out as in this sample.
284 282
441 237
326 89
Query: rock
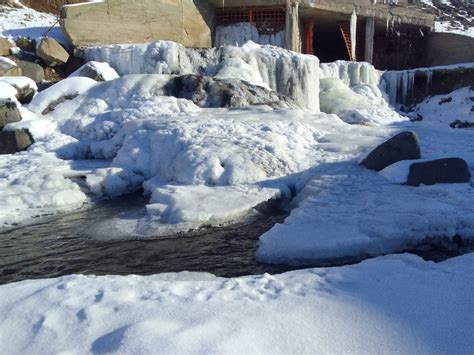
12 142
5 46
51 52
9 112
96 71
206 91
403 146
25 87
31 70
440 171
9 68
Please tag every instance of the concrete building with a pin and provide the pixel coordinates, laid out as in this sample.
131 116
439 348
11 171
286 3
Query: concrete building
390 34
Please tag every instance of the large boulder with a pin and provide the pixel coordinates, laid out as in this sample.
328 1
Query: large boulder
51 52
206 91
447 170
9 68
12 142
5 46
403 146
9 112
31 70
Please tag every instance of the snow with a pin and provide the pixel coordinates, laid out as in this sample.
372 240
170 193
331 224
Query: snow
20 82
346 211
289 73
394 304
28 23
442 110
7 91
102 69
450 21
239 33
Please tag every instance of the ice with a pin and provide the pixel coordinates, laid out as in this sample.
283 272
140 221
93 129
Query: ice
200 204
289 73
351 73
361 104
239 33
393 304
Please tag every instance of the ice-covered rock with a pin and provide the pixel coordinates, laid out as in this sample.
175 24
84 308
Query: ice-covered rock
403 146
351 73
25 87
289 73
206 91
97 71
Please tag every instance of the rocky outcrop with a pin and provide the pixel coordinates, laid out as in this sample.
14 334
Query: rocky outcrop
403 146
447 170
9 112
51 52
12 142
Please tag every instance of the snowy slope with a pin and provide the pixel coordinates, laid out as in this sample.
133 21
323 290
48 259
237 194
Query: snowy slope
397 304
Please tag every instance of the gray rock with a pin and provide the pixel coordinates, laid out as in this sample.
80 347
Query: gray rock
88 70
403 146
5 46
206 91
9 112
31 70
448 170
24 94
12 142
51 52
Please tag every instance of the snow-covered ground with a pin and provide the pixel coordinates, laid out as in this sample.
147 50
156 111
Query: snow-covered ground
28 23
396 304
452 18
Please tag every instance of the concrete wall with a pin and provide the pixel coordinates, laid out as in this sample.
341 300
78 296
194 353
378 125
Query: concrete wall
188 22
449 48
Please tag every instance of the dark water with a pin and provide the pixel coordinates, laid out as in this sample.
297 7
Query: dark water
63 246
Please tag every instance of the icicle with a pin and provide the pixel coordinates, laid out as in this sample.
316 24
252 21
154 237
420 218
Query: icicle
353 34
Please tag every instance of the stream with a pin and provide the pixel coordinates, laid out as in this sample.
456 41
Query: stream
64 245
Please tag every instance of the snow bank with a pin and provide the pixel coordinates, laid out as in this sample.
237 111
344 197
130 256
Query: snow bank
96 70
239 33
289 73
396 304
443 110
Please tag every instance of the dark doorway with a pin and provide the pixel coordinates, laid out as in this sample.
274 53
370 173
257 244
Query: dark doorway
328 43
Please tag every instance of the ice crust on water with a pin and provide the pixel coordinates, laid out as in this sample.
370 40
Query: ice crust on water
393 304
289 73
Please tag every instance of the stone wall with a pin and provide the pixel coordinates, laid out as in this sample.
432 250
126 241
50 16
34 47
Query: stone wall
188 22
449 48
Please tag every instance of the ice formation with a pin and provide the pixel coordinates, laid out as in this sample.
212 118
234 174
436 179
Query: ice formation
240 33
399 83
289 73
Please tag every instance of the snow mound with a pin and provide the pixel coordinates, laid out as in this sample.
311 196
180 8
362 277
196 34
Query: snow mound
97 71
288 73
395 304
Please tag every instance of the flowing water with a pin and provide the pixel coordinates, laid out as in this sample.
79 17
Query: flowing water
65 245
